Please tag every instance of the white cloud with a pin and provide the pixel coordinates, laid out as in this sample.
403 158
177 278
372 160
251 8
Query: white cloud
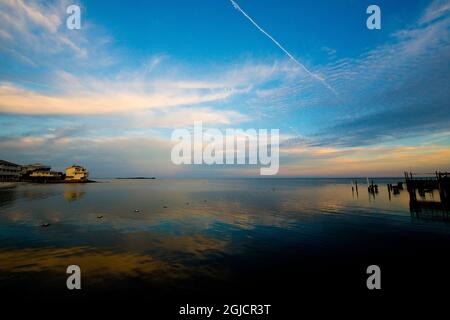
38 31
438 9
22 101
134 91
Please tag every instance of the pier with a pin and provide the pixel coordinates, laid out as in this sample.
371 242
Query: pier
419 185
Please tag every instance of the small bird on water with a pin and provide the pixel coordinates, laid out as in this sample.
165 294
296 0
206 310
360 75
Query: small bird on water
45 225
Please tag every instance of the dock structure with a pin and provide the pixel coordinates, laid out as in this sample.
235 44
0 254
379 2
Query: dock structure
395 189
438 181
372 188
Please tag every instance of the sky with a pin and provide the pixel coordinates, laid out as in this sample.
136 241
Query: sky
348 101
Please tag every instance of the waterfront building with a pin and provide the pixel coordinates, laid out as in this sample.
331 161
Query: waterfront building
76 173
9 171
53 175
29 168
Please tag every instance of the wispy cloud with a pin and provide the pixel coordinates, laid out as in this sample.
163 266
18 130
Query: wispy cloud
37 31
378 160
437 10
21 101
394 90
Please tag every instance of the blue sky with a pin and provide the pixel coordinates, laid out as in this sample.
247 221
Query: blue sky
109 95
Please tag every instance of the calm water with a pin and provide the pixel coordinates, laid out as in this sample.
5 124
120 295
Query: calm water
213 237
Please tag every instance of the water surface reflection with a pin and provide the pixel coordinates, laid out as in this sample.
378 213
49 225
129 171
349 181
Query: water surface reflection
181 234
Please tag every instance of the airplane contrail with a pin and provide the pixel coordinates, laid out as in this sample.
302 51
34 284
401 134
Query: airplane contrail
301 65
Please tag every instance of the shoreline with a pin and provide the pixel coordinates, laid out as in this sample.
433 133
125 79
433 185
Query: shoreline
4 183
